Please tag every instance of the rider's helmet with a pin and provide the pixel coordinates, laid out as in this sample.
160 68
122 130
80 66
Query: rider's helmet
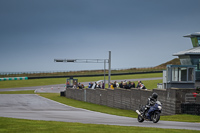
155 95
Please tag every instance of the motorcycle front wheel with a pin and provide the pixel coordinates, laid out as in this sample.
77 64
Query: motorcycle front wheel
140 118
156 117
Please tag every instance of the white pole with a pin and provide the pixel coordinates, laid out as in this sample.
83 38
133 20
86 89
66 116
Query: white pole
109 71
104 74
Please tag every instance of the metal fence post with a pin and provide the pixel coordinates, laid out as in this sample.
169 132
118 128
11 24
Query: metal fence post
85 96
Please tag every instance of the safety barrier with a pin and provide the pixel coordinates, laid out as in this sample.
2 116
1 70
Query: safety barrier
190 108
14 78
130 99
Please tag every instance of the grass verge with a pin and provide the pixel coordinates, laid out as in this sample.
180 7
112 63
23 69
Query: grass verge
11 125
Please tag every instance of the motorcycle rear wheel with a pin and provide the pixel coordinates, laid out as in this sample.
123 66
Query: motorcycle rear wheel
140 118
155 117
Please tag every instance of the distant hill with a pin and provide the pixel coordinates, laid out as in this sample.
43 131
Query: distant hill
174 61
160 67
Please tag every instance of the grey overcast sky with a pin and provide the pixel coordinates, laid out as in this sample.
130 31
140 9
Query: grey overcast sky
139 33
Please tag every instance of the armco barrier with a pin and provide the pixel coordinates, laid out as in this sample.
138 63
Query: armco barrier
14 78
93 75
131 99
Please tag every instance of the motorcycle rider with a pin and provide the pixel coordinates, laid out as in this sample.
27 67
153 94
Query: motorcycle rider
151 104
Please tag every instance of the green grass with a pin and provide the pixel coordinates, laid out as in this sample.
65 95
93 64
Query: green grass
52 81
182 118
11 125
151 84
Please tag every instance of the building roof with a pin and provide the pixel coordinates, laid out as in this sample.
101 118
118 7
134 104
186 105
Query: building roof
193 51
193 35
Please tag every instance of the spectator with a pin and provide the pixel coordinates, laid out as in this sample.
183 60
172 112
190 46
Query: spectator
129 84
94 86
103 86
138 85
90 85
142 86
80 86
115 84
111 86
132 85
125 86
98 86
121 84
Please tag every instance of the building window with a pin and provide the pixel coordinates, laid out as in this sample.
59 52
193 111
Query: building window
190 74
182 74
194 41
198 65
198 38
175 74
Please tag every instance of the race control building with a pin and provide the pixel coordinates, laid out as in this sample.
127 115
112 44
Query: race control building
192 56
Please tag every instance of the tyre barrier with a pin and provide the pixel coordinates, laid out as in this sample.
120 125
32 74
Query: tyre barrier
62 93
190 108
14 78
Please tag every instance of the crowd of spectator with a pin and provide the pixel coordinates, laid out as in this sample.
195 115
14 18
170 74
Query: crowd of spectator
123 84
96 85
80 86
127 85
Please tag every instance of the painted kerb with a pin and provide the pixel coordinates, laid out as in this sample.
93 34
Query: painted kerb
14 78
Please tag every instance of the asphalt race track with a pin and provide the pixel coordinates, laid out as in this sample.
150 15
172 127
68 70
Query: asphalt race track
35 107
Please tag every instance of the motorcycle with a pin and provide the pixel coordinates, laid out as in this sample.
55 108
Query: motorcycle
155 115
